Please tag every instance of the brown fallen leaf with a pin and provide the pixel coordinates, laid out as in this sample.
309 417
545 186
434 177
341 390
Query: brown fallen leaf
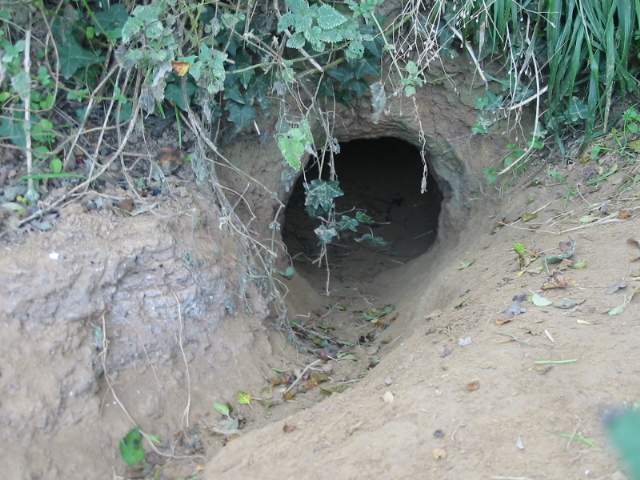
288 428
501 222
472 386
622 214
528 216
633 241
125 204
502 321
555 281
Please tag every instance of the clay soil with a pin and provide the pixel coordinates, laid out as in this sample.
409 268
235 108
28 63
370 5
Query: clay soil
443 387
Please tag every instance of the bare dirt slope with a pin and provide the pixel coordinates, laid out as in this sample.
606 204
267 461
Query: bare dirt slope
402 399
492 408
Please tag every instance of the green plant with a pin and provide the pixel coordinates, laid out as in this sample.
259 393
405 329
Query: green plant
131 448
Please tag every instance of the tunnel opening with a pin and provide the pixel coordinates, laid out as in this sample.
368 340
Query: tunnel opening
382 179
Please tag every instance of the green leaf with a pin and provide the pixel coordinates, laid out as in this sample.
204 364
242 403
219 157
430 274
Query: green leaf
624 430
222 408
174 93
55 165
519 248
363 217
111 21
241 115
325 235
292 151
131 447
347 223
73 57
329 17
372 240
539 301
320 194
619 309
243 398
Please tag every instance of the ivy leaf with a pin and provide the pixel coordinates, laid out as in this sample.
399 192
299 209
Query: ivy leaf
131 447
111 21
241 115
373 241
325 235
320 194
363 217
175 94
347 223
73 57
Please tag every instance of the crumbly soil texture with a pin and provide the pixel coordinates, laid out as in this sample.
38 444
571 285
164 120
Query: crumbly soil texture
496 352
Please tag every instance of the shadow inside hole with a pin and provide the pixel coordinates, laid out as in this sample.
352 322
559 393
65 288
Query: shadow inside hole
380 177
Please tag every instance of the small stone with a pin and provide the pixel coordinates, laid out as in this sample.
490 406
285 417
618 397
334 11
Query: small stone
387 397
439 453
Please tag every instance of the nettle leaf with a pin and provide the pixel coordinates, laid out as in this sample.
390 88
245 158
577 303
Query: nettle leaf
291 150
324 234
329 17
332 36
320 193
131 447
241 115
297 40
293 144
314 36
355 49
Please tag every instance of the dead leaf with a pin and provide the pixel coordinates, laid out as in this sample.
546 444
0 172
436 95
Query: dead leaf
499 224
125 204
622 214
472 386
528 216
614 288
543 369
634 145
288 428
181 68
555 281
502 322
564 246
439 453
633 241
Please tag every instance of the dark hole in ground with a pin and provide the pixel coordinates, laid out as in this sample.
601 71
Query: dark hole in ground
382 178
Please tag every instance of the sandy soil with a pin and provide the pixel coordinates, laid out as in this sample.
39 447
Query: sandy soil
432 408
